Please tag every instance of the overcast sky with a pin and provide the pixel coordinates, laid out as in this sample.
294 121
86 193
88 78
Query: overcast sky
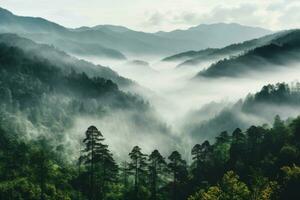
154 15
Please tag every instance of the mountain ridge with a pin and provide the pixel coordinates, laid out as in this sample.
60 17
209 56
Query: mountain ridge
118 38
277 52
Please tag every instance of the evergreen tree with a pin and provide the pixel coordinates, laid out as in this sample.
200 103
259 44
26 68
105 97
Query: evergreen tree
42 166
124 174
199 152
238 147
157 166
101 166
107 169
179 172
137 166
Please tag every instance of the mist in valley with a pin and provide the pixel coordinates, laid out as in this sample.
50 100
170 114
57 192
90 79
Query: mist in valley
181 100
91 110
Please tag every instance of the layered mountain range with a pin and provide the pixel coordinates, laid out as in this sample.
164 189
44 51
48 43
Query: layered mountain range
116 42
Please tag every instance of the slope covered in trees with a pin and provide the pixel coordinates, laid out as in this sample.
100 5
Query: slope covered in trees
280 53
48 32
62 60
259 108
258 163
42 97
195 58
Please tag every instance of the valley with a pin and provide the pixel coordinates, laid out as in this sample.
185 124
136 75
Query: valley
106 112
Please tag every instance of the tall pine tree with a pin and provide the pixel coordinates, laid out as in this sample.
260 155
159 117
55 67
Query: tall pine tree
157 166
178 167
138 166
101 166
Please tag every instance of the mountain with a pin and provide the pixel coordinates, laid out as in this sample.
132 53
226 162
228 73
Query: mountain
260 108
189 55
62 60
107 37
196 58
44 31
279 52
120 29
110 41
10 22
217 35
46 93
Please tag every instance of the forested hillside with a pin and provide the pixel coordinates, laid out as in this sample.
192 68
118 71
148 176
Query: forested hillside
280 53
62 60
41 98
89 110
259 108
258 163
194 58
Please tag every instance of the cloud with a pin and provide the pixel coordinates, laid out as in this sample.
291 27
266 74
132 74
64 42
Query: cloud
290 17
162 15
155 19
214 15
275 15
232 13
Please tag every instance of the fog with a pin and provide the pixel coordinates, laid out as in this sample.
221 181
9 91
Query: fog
183 110
180 110
174 87
174 93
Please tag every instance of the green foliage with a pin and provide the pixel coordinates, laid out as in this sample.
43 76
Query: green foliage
212 193
275 53
230 188
99 164
259 163
291 182
157 167
19 188
32 170
138 167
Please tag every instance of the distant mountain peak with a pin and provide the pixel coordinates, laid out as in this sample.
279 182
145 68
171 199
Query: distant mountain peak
114 28
226 25
5 12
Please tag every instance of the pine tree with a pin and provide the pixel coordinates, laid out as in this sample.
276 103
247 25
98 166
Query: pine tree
42 166
157 166
124 173
102 168
107 169
238 147
138 167
178 167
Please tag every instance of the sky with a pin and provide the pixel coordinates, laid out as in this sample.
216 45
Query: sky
166 15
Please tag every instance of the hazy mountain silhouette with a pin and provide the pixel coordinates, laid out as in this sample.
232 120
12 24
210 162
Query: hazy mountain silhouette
194 58
217 35
260 108
62 60
279 52
109 41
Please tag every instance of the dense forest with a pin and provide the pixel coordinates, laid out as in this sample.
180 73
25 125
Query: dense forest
194 58
259 108
258 163
148 128
35 162
41 96
278 53
61 59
